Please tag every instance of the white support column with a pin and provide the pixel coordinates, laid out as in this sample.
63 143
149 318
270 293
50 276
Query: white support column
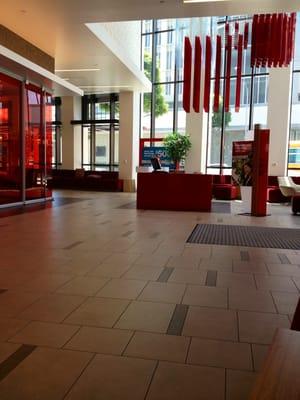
196 127
129 139
279 119
71 134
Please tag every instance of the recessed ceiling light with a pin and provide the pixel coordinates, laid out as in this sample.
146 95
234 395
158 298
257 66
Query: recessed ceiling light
78 70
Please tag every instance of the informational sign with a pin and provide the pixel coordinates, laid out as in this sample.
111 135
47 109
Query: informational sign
242 162
149 152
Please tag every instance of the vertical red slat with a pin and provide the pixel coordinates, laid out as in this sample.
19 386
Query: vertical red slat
289 39
283 41
197 74
228 71
246 35
254 40
273 40
294 18
236 35
207 74
239 74
278 39
260 40
217 73
187 71
226 34
267 33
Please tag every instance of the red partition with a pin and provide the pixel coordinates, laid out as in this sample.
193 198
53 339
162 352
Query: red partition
187 72
260 171
197 74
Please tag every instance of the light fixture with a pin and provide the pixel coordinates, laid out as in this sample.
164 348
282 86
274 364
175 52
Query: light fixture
103 86
201 1
78 70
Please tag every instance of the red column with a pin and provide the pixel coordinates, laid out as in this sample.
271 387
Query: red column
260 171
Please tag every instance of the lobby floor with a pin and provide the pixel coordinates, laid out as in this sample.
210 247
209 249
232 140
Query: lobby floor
100 301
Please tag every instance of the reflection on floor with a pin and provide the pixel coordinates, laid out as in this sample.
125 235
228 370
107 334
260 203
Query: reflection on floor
100 301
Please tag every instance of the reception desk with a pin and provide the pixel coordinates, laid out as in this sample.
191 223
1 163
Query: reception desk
174 191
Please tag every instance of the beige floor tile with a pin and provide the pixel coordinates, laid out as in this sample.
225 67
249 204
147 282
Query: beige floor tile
243 267
163 292
211 323
216 265
156 260
143 273
177 381
294 259
45 334
113 378
10 326
297 282
284 269
109 271
158 347
226 279
122 289
100 340
224 354
260 328
239 384
281 283
45 374
7 349
188 276
13 302
285 302
52 308
47 282
84 286
186 262
121 258
259 352
98 311
205 296
251 300
146 316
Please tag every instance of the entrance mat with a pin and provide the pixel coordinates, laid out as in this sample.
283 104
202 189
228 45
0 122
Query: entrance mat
248 236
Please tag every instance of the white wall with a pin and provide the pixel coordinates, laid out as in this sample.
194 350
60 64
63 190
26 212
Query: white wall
279 119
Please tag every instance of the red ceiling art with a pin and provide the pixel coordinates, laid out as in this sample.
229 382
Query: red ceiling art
272 45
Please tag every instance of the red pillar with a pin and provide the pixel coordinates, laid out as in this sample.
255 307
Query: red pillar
260 171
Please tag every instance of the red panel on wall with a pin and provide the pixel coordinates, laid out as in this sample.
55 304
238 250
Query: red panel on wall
260 172
207 74
217 73
246 35
187 71
239 74
228 73
197 74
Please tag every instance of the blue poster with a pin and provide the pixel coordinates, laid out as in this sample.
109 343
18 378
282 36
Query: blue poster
152 151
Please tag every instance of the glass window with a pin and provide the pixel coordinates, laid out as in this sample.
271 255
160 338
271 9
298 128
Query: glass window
164 109
294 142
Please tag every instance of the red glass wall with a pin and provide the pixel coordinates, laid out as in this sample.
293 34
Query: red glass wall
10 141
35 166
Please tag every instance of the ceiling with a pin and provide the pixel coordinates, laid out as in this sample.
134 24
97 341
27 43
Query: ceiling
58 28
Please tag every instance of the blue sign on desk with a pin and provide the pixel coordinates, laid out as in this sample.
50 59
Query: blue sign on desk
152 151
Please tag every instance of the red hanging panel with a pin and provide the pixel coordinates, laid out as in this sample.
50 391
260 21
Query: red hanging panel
236 35
283 42
272 51
217 73
226 34
293 16
279 28
267 36
197 74
187 72
207 74
239 74
228 71
253 40
246 35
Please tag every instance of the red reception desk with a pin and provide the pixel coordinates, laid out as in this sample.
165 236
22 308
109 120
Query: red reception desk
174 191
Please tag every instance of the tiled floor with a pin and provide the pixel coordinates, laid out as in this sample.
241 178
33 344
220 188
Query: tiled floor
116 305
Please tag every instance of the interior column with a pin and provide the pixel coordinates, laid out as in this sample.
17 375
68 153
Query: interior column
129 139
71 134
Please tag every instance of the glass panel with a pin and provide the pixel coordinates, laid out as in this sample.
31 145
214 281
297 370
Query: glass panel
260 100
34 145
102 110
146 116
86 146
164 109
294 143
165 57
10 141
147 26
164 24
102 146
181 121
48 144
116 145
297 45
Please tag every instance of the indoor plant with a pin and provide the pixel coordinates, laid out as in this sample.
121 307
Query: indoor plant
177 146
